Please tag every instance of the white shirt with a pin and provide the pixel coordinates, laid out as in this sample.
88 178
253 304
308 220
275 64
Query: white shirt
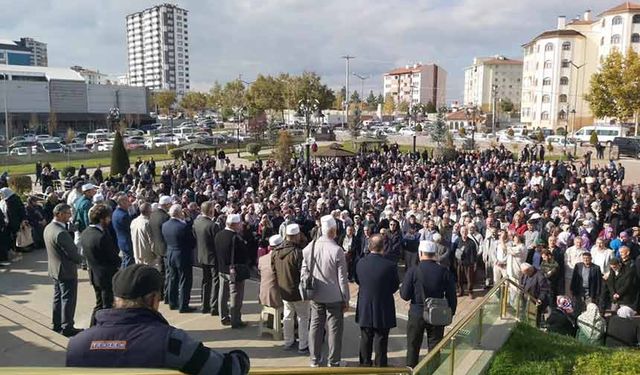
141 240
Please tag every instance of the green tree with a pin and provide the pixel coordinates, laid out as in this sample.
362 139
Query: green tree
462 131
431 108
355 122
233 95
380 100
282 151
372 101
193 102
506 105
266 94
309 86
355 97
594 138
214 99
164 100
403 107
440 130
119 156
389 105
560 131
254 148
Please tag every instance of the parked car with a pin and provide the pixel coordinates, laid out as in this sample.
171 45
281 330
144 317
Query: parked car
104 146
407 132
93 138
20 151
77 147
628 146
160 141
150 127
105 131
42 137
52 147
133 132
558 140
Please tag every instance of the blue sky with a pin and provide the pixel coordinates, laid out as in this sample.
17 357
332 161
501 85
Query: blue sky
231 37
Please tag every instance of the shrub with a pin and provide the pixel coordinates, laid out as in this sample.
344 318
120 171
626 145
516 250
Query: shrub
119 157
560 131
462 131
253 148
540 136
418 128
69 169
510 132
594 138
20 184
550 147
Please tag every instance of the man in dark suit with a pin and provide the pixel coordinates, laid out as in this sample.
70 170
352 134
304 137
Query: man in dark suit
376 312
427 280
156 220
63 260
205 230
180 242
231 250
102 257
122 225
586 281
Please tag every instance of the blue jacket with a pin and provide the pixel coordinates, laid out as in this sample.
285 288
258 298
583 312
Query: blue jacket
142 338
438 283
121 221
178 237
378 281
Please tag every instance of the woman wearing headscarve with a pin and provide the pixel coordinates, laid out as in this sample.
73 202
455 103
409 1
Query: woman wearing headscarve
590 326
623 329
561 320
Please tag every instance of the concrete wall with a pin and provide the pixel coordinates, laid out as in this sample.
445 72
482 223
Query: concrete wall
23 96
68 96
101 98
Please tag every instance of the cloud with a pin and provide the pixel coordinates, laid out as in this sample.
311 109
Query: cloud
232 37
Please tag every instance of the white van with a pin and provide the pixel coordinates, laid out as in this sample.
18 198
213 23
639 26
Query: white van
606 133
184 131
93 138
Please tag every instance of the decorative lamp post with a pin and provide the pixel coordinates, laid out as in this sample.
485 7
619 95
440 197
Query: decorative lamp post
470 115
307 107
575 144
239 112
113 117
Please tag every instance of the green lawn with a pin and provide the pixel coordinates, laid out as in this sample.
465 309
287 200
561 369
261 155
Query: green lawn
530 351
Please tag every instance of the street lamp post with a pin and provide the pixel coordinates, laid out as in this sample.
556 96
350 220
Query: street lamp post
239 112
307 107
470 114
5 77
575 103
573 125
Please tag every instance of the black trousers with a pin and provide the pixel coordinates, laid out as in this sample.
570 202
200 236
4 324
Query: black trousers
415 334
210 288
373 340
65 297
180 275
162 267
410 259
104 300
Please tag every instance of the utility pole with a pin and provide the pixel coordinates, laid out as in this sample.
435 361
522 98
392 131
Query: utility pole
362 79
346 93
494 96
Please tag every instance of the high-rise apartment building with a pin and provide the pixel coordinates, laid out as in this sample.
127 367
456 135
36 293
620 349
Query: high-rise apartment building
25 51
158 48
492 78
559 63
416 84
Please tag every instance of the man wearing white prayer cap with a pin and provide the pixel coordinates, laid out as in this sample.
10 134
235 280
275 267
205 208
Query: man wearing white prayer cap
325 261
157 218
233 267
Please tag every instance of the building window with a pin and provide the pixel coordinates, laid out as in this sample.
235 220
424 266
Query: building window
565 63
562 115
546 82
603 22
636 18
615 39
548 47
635 38
566 46
546 98
564 81
563 98
544 116
547 64
617 20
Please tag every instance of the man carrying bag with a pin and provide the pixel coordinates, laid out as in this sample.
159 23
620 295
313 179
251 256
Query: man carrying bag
432 291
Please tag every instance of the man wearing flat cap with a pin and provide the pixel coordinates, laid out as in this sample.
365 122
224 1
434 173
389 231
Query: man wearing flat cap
135 334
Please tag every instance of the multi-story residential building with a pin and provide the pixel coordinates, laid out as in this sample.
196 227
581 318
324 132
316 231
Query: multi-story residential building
25 51
158 48
39 51
92 77
558 65
492 78
416 84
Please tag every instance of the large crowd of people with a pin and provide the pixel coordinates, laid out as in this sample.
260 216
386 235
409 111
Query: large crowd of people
432 229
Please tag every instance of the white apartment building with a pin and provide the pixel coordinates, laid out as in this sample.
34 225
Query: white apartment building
498 74
158 48
416 84
91 77
558 65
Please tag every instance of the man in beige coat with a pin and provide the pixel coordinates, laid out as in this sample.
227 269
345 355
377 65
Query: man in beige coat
141 238
269 291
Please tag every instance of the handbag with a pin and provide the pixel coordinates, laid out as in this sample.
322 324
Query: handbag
307 283
24 236
237 272
436 310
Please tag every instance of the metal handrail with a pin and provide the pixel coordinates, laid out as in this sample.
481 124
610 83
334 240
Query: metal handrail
330 370
253 371
453 332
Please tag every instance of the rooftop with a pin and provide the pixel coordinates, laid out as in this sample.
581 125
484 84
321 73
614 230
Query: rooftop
499 60
39 71
555 34
622 8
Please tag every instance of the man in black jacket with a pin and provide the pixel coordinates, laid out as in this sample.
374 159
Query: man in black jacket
156 220
393 244
586 281
534 283
467 256
427 280
231 254
205 230
102 257
620 287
